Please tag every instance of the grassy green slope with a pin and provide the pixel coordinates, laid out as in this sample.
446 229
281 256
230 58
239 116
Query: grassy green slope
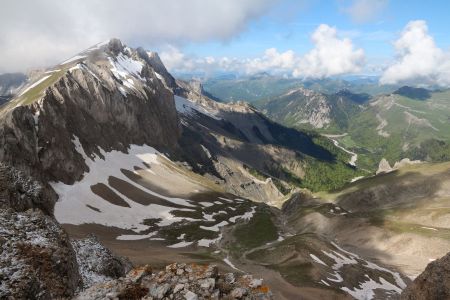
391 126
408 124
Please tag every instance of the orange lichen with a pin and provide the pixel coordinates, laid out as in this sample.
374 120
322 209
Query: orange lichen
263 289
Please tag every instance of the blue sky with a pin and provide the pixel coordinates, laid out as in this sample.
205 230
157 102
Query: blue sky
401 41
289 25
293 32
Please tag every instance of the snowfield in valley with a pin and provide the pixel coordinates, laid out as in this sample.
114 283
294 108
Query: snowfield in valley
78 204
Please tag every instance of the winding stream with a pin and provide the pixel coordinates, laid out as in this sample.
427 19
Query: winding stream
354 157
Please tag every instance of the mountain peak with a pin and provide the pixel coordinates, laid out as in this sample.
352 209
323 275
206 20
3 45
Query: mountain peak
359 98
115 46
413 92
117 66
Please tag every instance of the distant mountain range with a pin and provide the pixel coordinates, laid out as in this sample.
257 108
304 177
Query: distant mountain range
304 108
264 86
408 122
10 83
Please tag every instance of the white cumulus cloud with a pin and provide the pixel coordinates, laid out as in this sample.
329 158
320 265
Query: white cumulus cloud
177 61
419 60
37 33
330 56
272 61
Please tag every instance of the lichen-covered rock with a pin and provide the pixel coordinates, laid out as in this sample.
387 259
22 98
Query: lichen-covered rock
37 260
97 263
432 284
179 281
19 192
122 288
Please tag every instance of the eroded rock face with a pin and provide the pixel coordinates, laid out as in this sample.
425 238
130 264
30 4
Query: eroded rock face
37 260
97 263
112 98
179 281
432 284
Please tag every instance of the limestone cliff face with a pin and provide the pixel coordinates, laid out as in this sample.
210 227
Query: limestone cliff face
110 97
303 106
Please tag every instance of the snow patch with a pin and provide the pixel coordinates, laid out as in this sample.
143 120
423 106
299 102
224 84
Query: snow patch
209 242
366 289
317 260
228 262
122 91
216 227
124 66
180 244
189 108
356 178
247 216
429 228
134 237
71 207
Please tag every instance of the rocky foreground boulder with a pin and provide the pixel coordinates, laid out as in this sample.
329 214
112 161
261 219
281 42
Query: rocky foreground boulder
97 263
432 284
37 260
20 192
179 281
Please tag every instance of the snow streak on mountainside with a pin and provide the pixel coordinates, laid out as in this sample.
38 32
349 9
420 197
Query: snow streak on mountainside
117 192
186 107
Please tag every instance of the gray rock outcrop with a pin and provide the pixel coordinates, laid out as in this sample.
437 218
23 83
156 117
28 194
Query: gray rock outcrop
179 281
19 192
37 260
432 284
97 263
